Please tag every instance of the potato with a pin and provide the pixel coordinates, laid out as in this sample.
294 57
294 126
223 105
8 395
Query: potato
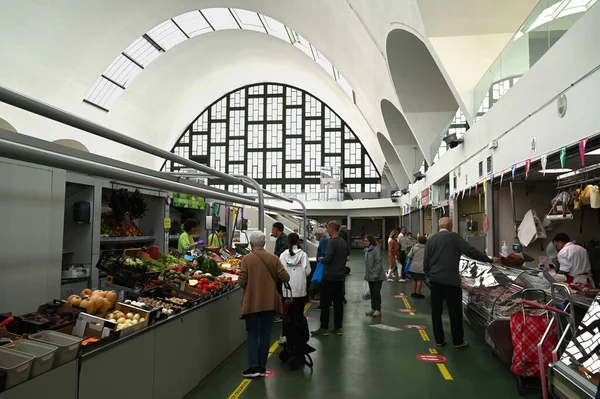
141 320
136 317
121 320
129 316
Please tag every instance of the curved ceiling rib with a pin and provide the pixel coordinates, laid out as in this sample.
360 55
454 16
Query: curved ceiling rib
403 140
123 70
426 99
393 161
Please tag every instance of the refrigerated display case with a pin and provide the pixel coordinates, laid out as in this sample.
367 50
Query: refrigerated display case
577 373
491 294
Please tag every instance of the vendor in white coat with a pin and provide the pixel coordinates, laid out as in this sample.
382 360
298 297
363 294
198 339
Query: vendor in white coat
296 264
573 260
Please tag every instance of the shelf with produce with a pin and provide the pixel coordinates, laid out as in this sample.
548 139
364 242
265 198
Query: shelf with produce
175 237
127 240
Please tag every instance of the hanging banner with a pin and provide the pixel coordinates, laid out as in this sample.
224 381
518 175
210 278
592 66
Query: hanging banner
513 169
501 177
425 197
477 188
544 161
188 201
484 185
563 157
470 191
582 144
463 194
527 165
491 178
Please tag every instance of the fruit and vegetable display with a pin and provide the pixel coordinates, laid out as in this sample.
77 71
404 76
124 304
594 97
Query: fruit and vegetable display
128 271
209 265
94 302
125 320
168 307
209 283
174 276
109 228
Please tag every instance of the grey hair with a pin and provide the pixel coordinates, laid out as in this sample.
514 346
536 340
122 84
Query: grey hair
258 239
321 231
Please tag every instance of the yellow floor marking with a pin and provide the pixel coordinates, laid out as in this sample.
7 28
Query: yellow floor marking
445 372
407 304
432 351
246 382
424 335
240 389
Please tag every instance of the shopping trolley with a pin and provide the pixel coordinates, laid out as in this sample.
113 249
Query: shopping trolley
533 354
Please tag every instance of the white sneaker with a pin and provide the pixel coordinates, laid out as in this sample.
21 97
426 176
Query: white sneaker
376 313
402 280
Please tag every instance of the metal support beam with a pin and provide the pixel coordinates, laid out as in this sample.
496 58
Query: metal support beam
247 178
261 202
39 108
305 220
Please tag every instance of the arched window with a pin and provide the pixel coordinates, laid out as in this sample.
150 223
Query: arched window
281 136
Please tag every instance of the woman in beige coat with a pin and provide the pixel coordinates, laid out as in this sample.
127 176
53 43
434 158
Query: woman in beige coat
259 273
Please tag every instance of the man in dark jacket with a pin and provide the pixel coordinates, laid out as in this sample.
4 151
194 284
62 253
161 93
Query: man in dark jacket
441 263
281 245
332 286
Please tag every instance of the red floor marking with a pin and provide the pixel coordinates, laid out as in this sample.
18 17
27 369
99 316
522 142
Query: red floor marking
270 373
308 318
415 326
431 358
407 311
314 301
400 296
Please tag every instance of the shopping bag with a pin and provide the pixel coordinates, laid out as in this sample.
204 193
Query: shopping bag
407 267
318 274
526 332
366 293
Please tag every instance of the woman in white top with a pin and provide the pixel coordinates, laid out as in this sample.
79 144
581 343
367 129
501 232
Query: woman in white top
296 264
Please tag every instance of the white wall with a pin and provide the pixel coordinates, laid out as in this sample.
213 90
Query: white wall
31 215
509 121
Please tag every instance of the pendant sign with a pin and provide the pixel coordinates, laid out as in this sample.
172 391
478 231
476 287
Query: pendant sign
414 326
431 358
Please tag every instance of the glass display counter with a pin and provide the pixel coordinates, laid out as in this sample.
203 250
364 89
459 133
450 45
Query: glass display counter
577 373
491 294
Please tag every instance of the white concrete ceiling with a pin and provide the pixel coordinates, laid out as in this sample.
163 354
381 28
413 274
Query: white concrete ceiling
58 49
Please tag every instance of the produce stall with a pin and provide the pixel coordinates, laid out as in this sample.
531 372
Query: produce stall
164 314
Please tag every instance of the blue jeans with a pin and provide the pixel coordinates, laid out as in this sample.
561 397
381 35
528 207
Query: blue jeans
258 329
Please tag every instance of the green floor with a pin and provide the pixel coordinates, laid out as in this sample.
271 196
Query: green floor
367 361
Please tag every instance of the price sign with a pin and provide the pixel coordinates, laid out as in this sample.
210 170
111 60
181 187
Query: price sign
431 358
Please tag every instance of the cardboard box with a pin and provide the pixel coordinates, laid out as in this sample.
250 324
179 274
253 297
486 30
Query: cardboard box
88 326
135 328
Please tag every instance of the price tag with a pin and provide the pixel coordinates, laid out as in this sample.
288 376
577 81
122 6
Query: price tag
167 223
188 257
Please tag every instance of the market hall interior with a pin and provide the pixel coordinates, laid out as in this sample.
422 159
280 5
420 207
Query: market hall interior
142 144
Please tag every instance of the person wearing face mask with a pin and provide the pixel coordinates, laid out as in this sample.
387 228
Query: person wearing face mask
573 260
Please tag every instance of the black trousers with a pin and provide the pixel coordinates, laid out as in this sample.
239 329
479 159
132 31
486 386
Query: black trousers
452 295
332 291
403 263
375 288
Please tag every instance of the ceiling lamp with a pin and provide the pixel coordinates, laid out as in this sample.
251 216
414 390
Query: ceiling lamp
453 141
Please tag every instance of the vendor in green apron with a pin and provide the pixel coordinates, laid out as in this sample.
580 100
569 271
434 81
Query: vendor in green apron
186 242
217 239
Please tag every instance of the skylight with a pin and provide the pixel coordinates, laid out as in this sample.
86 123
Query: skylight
121 72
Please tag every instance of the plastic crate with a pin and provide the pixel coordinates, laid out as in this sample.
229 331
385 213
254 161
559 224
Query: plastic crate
16 365
67 345
44 355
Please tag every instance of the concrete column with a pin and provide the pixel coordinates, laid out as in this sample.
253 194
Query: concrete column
454 215
489 211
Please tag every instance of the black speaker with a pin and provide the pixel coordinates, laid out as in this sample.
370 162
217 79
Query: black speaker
82 212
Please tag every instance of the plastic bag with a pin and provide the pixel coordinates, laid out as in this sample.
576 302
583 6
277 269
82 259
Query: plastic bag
407 267
366 292
318 274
